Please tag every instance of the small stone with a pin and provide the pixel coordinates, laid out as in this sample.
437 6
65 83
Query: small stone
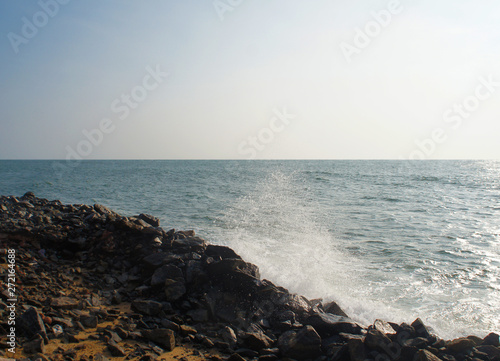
37 345
64 303
116 350
89 321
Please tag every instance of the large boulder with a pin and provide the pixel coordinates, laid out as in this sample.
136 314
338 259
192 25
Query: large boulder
327 324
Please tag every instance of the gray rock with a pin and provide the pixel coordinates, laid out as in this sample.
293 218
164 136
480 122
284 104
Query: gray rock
301 345
189 244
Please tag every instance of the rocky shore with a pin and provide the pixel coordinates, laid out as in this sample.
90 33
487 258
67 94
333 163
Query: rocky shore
82 282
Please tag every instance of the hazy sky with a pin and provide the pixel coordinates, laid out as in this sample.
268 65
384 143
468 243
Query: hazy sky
238 79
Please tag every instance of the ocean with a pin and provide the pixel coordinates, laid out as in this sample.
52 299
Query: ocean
394 240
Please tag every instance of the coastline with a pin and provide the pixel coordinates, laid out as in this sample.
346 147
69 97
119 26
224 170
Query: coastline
123 286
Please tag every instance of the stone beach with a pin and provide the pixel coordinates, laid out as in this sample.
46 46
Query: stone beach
91 284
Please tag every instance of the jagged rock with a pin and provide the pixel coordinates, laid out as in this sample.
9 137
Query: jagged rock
147 307
161 336
384 327
301 345
421 329
334 309
31 323
155 260
328 324
424 355
376 340
256 339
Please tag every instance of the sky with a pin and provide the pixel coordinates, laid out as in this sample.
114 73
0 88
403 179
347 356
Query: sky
241 79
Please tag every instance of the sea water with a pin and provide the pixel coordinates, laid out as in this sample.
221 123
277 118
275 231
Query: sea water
385 239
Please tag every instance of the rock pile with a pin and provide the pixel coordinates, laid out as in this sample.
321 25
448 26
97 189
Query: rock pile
87 275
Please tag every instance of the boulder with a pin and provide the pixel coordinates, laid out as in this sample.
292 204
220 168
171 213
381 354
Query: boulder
377 340
327 324
334 309
166 272
31 323
384 327
174 290
459 345
301 345
161 336
492 339
146 307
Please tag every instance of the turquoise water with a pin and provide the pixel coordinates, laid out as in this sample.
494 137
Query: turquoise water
386 239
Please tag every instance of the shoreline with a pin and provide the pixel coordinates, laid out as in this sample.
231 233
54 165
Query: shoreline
113 283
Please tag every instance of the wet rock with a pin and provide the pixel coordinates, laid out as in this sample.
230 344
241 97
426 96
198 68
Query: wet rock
384 327
459 345
421 329
334 309
161 336
492 339
301 345
147 307
327 324
377 340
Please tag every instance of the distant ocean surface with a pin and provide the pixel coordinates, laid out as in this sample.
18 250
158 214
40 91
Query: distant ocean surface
385 239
